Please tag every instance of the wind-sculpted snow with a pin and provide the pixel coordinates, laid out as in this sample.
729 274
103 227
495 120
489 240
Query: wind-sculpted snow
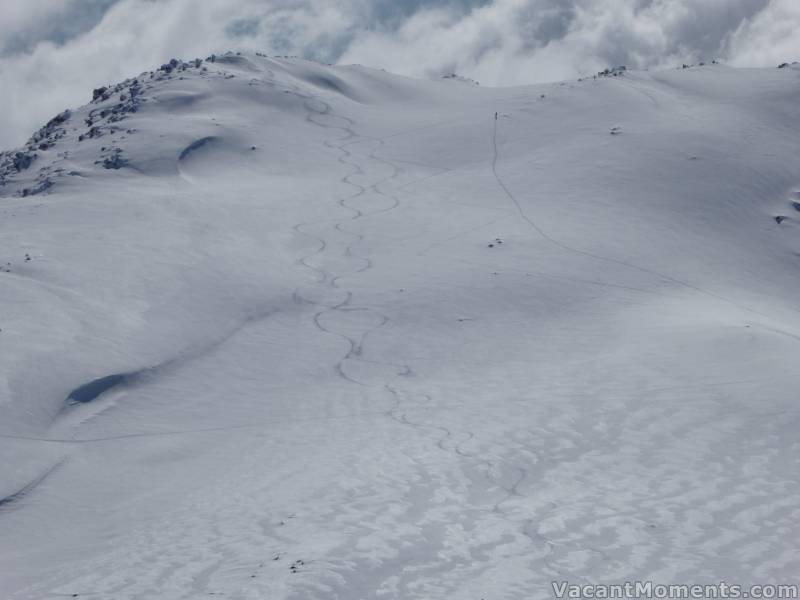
296 331
195 145
90 391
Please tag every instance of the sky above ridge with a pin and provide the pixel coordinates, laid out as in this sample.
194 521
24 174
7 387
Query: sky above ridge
53 52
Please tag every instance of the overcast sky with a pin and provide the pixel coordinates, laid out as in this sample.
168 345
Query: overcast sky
53 52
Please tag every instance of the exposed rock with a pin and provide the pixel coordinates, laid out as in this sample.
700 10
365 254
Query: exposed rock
100 94
613 71
22 160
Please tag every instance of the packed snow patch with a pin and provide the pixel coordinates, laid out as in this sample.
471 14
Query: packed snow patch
276 329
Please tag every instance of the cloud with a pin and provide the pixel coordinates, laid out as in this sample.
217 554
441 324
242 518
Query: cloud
26 24
773 36
53 52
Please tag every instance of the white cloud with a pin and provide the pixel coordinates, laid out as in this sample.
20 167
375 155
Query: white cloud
56 51
21 16
773 36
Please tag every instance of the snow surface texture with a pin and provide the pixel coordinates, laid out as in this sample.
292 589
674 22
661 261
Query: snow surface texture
273 329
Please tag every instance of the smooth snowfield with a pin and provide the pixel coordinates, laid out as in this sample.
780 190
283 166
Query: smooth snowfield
332 333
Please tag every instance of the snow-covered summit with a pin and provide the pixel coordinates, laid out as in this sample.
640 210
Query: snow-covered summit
116 129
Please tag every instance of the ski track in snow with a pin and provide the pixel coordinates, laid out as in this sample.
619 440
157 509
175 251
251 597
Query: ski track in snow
524 216
344 309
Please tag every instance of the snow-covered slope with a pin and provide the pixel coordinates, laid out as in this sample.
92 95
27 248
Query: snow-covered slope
273 329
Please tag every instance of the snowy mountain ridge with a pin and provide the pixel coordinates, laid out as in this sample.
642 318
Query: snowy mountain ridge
57 149
278 329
